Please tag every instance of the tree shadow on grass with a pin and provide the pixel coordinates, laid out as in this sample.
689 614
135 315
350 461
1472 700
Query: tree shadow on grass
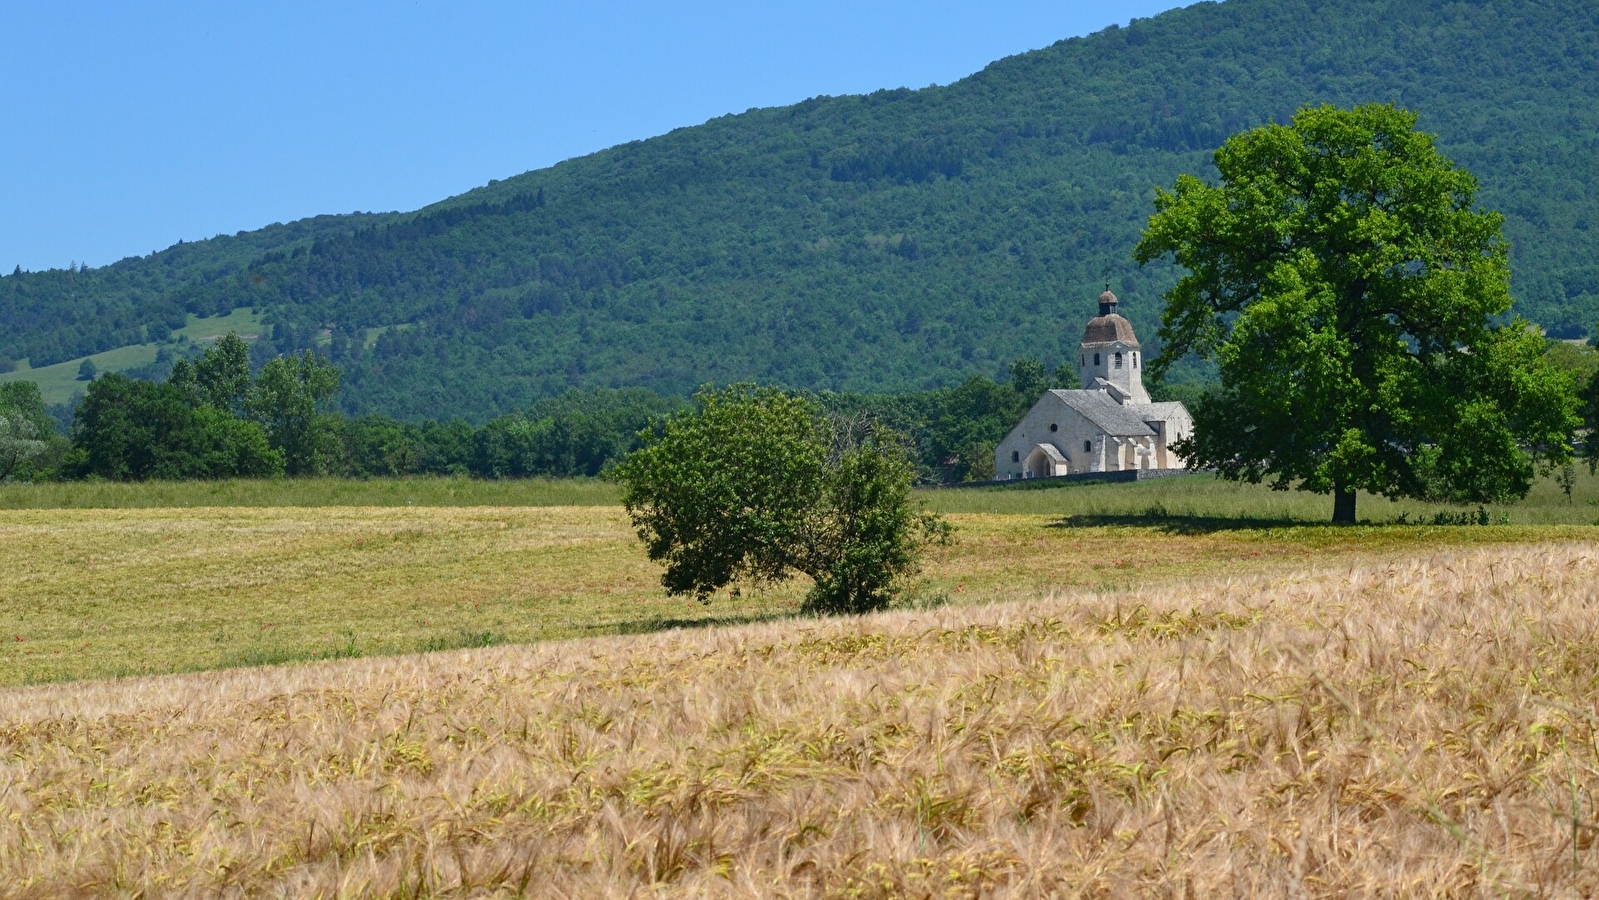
1178 523
656 624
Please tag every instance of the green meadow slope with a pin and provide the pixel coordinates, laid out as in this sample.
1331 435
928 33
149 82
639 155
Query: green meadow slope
892 241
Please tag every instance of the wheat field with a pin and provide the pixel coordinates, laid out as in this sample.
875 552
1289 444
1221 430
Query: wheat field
1412 727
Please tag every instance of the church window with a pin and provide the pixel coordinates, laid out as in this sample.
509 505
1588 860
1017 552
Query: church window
1135 359
1053 426
1118 359
1087 446
1015 456
1096 359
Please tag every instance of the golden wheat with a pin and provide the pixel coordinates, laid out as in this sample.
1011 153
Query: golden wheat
1418 728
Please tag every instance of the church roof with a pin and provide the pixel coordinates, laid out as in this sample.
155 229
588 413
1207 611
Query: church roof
1106 414
1108 329
1151 412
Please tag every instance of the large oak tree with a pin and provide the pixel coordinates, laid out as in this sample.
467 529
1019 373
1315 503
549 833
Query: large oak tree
1353 298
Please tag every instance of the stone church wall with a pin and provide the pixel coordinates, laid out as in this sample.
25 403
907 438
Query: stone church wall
1072 433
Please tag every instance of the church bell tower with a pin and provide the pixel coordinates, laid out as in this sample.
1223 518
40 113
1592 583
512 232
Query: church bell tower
1111 359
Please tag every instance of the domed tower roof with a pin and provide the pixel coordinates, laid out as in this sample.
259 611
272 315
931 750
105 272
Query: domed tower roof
1108 327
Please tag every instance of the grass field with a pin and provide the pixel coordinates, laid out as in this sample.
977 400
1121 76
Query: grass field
1416 726
310 492
1202 501
58 382
117 580
1190 501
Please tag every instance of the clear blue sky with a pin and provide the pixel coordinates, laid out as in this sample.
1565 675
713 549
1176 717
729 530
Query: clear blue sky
125 126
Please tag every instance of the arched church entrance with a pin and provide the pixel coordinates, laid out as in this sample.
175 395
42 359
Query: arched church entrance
1044 462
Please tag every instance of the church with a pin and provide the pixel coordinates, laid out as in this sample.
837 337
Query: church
1109 425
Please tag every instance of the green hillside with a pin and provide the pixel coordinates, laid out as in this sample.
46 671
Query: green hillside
58 382
892 241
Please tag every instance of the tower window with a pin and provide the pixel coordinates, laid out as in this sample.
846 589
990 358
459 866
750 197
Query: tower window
1053 426
1118 359
1088 446
1096 359
1082 360
1135 359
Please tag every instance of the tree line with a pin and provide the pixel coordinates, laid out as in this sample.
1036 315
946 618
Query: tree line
216 416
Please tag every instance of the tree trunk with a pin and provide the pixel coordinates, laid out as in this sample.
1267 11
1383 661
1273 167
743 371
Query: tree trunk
1343 506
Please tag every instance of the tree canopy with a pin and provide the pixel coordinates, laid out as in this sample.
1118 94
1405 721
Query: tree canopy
219 377
24 428
290 398
754 484
1347 286
131 430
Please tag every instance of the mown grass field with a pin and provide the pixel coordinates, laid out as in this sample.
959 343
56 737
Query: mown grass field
119 580
1418 726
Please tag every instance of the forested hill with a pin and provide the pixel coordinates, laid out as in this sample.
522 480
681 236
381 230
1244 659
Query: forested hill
890 241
